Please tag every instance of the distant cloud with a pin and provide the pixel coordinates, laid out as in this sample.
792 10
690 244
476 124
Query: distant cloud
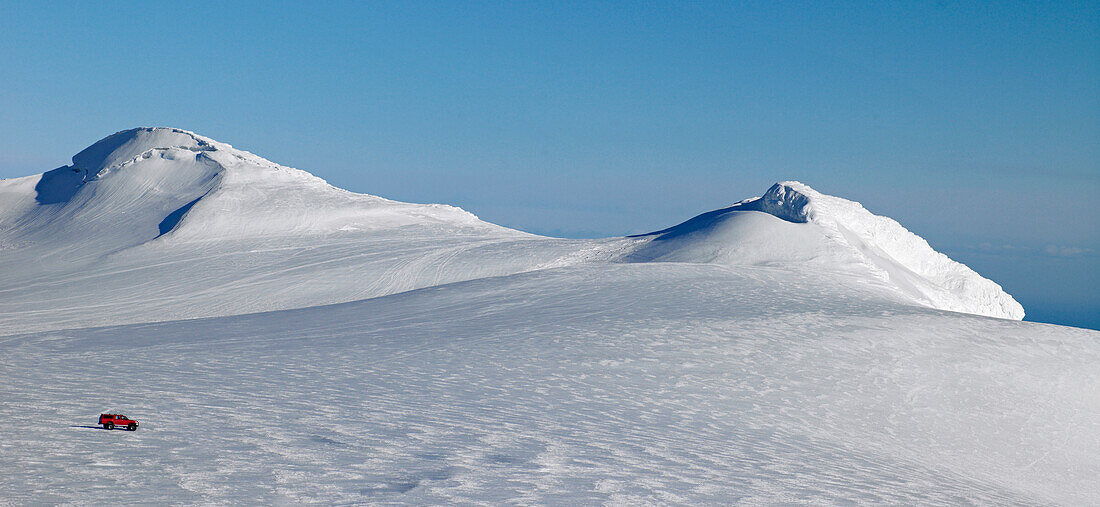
1049 250
1066 251
991 248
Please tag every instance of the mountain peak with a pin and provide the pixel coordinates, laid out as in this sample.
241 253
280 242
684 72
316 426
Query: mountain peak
145 183
793 224
127 145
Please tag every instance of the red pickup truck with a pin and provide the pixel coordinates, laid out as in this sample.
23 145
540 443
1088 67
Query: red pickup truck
109 421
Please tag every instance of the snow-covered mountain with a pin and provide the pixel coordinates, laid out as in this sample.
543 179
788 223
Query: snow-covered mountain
153 223
223 232
789 348
794 224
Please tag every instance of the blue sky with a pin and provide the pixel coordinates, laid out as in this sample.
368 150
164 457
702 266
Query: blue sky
976 125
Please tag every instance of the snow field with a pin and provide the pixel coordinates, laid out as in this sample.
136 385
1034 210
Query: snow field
634 383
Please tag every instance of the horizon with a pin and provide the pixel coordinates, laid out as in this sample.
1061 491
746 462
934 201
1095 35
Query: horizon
973 126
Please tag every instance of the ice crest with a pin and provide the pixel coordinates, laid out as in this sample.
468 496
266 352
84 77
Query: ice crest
788 200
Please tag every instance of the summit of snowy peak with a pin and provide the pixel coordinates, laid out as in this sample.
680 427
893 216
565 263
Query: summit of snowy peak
793 224
146 183
124 146
130 146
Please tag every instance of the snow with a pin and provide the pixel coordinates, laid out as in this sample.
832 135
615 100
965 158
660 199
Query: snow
281 340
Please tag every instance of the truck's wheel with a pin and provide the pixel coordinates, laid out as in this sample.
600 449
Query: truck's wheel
131 427
109 426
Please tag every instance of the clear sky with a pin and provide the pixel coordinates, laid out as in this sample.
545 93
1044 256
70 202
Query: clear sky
976 125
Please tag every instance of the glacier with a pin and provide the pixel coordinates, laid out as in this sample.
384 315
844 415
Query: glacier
283 340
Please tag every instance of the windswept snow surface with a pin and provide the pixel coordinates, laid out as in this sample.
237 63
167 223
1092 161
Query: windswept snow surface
629 383
790 348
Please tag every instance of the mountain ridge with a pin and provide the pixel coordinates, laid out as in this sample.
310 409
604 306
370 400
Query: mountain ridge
151 191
